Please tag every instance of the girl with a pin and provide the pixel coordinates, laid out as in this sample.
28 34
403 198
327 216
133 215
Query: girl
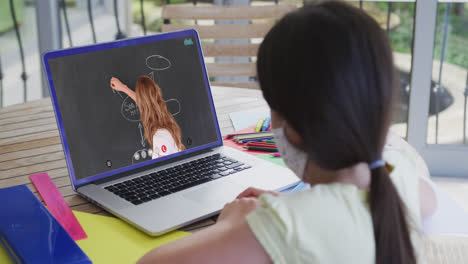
327 73
161 129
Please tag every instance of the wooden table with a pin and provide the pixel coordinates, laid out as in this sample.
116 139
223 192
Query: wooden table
30 142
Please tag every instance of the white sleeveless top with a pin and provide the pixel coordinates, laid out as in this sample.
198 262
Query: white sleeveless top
163 144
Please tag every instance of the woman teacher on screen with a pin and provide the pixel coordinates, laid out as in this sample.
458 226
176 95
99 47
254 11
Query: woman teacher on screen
161 129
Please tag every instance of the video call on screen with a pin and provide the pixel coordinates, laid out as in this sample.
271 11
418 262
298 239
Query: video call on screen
104 127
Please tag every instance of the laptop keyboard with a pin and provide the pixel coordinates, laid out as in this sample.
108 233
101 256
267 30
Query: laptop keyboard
157 184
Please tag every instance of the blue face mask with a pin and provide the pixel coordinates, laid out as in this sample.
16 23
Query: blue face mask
294 158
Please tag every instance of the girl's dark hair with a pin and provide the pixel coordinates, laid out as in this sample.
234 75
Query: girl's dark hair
328 70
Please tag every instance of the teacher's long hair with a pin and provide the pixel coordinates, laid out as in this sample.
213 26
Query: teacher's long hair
153 111
328 69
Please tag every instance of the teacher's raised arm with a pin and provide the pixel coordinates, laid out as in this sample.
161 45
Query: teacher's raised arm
117 85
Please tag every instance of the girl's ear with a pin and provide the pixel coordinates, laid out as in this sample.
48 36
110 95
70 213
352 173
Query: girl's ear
292 135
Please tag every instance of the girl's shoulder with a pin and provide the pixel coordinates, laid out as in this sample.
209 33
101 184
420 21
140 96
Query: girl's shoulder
312 225
333 201
323 206
163 135
161 132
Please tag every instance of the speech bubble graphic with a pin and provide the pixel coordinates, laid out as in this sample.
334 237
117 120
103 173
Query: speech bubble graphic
173 106
157 63
130 110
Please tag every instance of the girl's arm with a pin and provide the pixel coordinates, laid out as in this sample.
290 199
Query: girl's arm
117 85
230 240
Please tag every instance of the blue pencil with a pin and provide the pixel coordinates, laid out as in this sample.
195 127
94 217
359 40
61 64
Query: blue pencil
266 123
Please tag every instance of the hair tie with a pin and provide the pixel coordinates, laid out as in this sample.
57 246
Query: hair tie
377 164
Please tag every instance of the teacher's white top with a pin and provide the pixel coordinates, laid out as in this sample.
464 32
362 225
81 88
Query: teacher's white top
163 144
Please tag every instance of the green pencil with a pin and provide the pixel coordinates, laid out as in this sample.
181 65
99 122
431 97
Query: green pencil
262 149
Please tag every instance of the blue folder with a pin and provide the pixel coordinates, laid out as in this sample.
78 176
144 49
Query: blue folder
30 233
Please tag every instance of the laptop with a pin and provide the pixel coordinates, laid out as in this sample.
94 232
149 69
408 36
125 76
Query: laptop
156 171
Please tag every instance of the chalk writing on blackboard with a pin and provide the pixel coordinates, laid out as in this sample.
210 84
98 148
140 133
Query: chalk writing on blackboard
157 63
142 134
130 110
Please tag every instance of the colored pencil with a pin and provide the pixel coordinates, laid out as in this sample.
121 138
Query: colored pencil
245 134
259 135
266 124
262 142
262 149
253 137
259 144
252 140
270 141
258 128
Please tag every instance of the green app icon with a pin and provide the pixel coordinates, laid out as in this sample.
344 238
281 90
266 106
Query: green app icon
188 42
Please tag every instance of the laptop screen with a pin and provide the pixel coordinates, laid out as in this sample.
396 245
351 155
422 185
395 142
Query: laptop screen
131 103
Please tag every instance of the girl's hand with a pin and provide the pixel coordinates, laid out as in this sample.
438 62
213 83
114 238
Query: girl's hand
237 210
252 192
117 85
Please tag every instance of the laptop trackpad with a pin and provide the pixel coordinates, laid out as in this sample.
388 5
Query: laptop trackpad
216 194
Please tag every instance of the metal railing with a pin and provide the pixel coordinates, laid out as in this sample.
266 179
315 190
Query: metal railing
438 89
142 14
91 21
24 77
465 94
63 7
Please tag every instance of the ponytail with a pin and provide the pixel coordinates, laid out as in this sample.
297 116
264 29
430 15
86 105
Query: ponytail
391 231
